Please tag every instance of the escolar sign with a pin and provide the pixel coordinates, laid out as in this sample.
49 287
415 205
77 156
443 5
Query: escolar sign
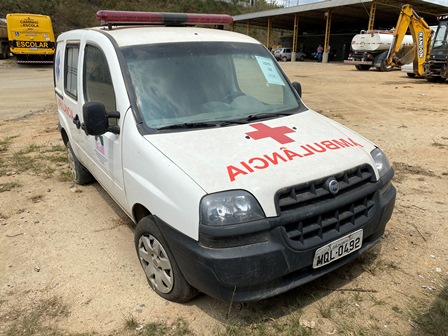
32 44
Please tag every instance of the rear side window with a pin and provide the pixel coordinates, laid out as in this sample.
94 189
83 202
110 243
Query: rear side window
97 79
71 70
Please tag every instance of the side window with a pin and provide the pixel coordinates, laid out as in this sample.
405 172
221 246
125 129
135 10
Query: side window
97 79
71 70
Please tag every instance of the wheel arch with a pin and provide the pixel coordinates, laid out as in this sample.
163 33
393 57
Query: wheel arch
64 136
139 211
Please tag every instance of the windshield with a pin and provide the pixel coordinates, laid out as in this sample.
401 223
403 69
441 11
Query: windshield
206 82
440 38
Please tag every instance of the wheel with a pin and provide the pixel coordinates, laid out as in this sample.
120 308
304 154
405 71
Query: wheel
5 52
79 173
362 67
411 74
162 272
284 59
435 79
302 58
385 67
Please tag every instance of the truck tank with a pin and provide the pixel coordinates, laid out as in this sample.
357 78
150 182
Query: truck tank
374 40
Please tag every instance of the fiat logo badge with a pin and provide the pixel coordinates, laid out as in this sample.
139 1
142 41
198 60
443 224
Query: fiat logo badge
332 186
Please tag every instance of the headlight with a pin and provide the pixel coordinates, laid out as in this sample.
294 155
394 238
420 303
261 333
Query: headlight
229 207
381 161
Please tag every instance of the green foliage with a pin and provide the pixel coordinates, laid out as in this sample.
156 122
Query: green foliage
72 14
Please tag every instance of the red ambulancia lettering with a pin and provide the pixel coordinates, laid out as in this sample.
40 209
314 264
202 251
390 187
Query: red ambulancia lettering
284 155
234 172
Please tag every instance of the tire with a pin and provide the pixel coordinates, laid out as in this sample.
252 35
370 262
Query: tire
5 52
161 270
362 67
384 67
284 59
435 79
301 58
79 173
411 74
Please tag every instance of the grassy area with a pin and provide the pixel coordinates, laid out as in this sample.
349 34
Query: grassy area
43 160
433 320
45 318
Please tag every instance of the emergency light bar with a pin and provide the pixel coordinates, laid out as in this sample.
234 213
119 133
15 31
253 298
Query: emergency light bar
111 17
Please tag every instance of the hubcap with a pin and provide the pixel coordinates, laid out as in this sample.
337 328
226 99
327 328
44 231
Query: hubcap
156 264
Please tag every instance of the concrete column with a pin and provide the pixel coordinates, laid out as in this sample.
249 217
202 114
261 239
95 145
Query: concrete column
293 56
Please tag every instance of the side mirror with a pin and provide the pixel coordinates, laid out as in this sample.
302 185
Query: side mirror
96 119
298 88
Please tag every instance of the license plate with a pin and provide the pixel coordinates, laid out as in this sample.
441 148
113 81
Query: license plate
337 249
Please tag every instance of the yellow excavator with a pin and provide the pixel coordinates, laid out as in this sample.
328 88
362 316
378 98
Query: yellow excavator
419 51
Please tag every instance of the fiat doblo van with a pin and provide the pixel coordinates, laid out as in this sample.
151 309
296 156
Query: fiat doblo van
238 190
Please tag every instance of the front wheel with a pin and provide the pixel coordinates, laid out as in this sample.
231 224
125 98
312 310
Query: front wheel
79 173
284 59
162 272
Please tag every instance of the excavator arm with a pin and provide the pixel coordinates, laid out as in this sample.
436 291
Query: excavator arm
421 34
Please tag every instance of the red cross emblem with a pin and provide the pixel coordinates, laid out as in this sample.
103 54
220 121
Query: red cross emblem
276 133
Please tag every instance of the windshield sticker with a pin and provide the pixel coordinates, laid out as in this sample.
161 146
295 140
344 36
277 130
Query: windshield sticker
269 71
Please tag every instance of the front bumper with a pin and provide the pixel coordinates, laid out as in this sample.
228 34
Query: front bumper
260 265
355 62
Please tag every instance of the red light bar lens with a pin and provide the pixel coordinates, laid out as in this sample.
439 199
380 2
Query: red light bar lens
123 17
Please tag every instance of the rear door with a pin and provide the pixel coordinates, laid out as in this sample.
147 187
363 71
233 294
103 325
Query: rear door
67 83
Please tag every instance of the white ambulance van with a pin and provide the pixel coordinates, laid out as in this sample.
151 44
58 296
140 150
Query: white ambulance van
238 190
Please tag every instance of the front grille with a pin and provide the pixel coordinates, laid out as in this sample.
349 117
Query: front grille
320 216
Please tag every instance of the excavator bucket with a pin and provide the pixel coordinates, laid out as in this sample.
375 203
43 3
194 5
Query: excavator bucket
405 55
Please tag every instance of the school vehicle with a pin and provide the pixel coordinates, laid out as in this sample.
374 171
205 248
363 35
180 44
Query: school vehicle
31 37
238 190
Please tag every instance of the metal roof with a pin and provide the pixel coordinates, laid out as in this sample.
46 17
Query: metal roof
348 15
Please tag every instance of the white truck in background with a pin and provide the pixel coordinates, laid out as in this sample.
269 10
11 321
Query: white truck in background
370 49
4 43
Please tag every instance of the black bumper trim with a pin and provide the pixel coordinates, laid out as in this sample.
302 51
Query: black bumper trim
261 270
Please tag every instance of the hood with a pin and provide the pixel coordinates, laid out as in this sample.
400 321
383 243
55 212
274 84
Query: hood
265 156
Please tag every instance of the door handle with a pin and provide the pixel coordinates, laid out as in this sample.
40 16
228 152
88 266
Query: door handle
77 122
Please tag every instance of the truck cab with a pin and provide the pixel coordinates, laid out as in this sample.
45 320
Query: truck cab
237 189
436 67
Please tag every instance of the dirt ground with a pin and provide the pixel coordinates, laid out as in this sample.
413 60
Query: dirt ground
74 243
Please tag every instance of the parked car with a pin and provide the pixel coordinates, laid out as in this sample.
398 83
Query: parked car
284 54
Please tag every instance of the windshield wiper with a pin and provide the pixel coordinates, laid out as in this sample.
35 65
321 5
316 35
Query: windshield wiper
189 125
217 123
264 115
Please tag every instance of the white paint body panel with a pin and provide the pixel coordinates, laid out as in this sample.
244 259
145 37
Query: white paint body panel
206 154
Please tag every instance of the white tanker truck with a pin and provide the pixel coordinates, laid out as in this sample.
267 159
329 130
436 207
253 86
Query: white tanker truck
370 48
